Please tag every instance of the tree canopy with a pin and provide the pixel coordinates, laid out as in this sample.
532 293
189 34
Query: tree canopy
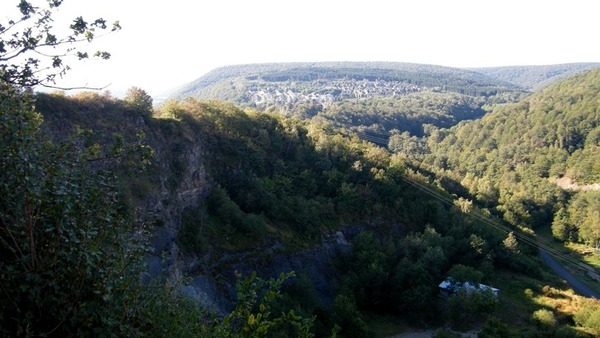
511 159
33 50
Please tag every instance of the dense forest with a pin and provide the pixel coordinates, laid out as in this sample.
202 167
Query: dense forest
511 159
333 201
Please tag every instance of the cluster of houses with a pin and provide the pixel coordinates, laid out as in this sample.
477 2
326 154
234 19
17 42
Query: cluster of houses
325 92
285 96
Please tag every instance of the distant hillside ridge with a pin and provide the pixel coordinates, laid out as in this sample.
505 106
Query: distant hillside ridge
232 83
557 131
509 160
536 78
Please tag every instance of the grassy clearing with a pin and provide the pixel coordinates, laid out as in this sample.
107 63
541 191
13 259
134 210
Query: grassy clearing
521 296
586 253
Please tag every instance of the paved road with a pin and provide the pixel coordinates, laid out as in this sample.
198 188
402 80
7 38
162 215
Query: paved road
577 285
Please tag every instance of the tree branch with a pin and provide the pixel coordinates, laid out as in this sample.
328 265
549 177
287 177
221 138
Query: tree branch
72 88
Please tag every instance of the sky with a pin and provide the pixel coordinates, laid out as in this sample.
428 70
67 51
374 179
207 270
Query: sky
166 44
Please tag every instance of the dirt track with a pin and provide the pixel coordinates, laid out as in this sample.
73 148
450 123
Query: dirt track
578 286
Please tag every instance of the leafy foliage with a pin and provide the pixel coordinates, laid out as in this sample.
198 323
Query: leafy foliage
72 256
544 318
467 305
346 314
580 219
465 274
402 276
32 50
252 317
69 255
272 172
280 178
408 113
589 316
494 328
139 100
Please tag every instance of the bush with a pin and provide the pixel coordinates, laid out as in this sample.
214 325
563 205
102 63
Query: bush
347 316
252 316
228 214
544 318
494 328
589 316
69 256
468 305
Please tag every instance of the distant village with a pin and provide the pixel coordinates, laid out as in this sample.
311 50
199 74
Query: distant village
324 92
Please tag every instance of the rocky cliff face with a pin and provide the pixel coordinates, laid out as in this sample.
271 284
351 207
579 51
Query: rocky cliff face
214 277
178 179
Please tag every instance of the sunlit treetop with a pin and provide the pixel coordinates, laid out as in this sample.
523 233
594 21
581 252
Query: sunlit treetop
32 51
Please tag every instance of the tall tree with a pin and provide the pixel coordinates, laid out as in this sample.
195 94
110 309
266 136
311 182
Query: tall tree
139 100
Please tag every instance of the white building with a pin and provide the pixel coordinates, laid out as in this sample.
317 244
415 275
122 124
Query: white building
449 287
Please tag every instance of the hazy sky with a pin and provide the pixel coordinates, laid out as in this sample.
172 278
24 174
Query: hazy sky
165 44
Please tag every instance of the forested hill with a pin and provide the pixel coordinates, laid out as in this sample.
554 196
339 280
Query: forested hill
373 99
238 83
376 100
536 78
511 158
